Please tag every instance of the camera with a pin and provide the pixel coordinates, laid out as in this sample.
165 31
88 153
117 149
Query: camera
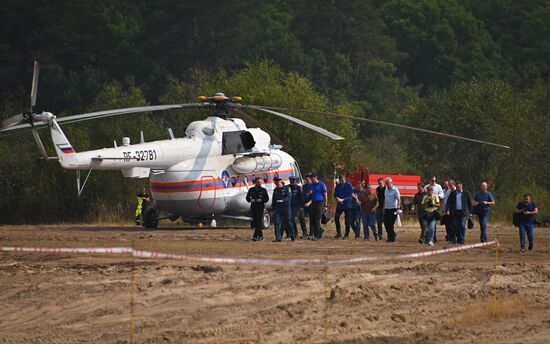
430 204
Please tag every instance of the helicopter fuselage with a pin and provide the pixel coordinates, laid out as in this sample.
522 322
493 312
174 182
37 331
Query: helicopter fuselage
206 173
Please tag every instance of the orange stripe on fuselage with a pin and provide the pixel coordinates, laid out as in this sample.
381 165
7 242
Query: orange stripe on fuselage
240 182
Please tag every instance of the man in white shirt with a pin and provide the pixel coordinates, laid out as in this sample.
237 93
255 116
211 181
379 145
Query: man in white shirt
437 189
392 205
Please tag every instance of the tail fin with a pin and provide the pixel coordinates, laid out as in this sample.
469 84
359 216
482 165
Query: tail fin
65 152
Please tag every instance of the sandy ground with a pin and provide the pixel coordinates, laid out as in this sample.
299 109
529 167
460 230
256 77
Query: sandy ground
49 298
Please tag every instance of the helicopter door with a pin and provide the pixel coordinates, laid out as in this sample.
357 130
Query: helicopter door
207 195
296 171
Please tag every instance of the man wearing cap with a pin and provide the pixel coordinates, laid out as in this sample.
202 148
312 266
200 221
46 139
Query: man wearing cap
318 203
281 207
257 197
296 204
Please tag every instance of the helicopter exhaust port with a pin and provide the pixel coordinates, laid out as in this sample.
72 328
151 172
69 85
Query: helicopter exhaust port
254 164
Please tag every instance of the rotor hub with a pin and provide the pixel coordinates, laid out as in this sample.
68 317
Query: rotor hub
221 103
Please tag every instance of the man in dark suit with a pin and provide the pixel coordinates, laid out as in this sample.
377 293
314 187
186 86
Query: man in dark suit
459 207
257 197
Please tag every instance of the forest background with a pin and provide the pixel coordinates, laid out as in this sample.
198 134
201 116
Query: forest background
474 68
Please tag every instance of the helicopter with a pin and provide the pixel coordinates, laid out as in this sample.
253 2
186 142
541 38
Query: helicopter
205 174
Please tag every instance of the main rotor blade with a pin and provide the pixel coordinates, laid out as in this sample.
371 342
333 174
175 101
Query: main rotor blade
389 124
11 122
297 121
125 111
34 87
109 113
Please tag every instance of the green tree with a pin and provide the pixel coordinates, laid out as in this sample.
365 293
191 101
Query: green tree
443 42
490 111
522 30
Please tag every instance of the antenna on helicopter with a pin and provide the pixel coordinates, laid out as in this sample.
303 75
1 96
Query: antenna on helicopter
171 133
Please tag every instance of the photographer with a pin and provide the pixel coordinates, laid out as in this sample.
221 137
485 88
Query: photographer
431 211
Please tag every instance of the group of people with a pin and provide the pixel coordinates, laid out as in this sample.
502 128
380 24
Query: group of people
453 207
361 206
293 202
447 204
289 203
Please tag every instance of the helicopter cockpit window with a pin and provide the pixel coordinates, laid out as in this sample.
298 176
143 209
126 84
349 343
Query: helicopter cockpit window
234 142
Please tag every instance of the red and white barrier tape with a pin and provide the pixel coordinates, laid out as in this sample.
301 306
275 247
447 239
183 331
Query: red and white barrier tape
237 261
85 250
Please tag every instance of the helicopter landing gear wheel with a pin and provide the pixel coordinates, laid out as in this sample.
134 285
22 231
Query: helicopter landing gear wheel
150 218
266 220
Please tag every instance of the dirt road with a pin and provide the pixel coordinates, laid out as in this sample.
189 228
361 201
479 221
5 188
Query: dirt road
52 298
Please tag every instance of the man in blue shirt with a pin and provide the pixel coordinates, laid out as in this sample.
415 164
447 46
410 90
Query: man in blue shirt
343 196
392 203
482 201
318 203
527 211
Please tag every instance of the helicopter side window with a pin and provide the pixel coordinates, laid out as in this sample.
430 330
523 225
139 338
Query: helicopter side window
234 142
296 171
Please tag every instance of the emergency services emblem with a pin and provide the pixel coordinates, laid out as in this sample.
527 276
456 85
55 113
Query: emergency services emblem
225 179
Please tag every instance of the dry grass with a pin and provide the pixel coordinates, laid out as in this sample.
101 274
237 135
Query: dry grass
479 311
111 216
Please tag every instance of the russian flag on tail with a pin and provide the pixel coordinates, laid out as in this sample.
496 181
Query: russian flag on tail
66 148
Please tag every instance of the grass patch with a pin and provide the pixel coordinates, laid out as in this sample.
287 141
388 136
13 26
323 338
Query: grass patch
489 309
